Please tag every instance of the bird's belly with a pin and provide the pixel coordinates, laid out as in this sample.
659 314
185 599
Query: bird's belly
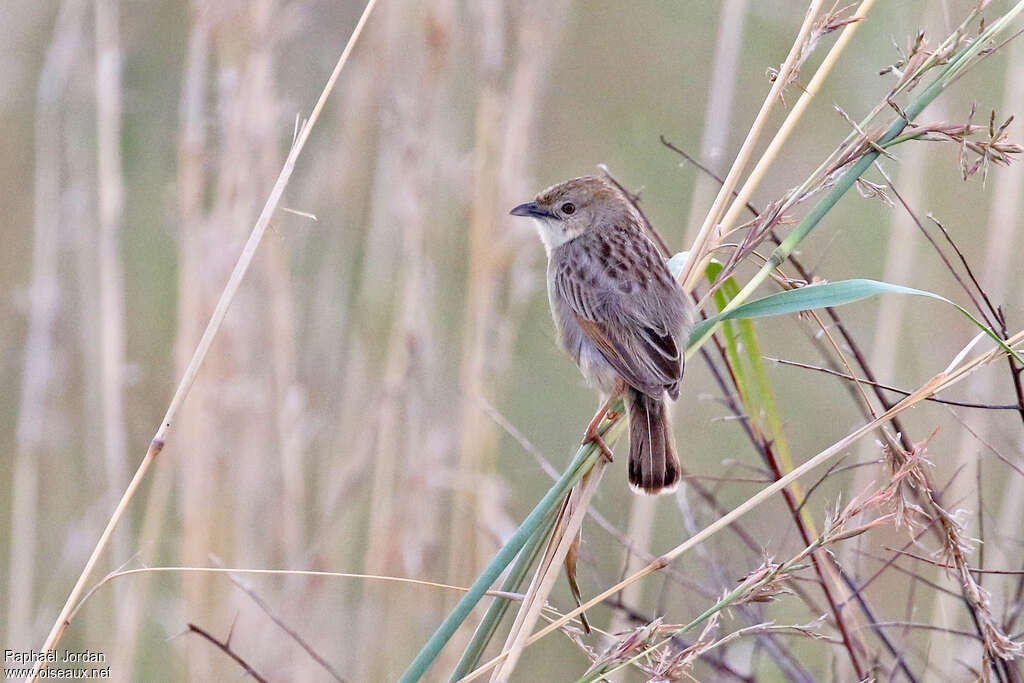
597 371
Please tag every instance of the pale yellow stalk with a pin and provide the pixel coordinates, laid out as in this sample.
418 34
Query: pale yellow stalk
938 383
699 249
205 342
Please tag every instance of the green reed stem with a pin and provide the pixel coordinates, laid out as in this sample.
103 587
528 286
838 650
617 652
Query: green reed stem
952 70
496 612
585 458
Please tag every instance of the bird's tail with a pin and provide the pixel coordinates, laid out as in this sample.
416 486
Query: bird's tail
653 466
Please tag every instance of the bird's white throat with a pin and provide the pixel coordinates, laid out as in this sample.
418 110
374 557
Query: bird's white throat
552 233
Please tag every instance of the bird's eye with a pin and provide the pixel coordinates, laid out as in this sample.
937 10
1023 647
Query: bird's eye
568 208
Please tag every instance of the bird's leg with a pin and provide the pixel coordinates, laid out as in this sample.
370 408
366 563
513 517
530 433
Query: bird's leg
593 436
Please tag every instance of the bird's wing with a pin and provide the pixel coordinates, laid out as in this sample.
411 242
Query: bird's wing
627 305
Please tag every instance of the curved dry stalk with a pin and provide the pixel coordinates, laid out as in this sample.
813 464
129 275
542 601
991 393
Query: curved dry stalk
691 272
549 612
938 383
789 125
561 540
112 322
276 572
227 296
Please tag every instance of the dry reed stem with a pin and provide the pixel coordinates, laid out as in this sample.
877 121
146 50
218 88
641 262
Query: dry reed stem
477 438
717 129
641 526
1001 279
691 273
497 286
110 189
793 118
192 141
399 425
364 188
855 146
718 114
549 570
289 402
272 572
241 267
44 306
938 383
358 113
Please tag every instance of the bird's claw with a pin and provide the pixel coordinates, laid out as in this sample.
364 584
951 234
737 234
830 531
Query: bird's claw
595 438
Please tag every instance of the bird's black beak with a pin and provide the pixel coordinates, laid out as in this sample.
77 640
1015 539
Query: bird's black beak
532 210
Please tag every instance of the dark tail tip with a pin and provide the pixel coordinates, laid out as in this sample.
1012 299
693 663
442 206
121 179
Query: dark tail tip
653 466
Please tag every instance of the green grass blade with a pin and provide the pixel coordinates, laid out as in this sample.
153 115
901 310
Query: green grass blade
585 458
755 391
828 295
805 299
953 69
496 612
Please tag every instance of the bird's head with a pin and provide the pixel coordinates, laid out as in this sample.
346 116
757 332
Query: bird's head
567 210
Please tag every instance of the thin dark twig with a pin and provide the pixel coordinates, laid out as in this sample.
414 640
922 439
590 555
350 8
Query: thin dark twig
708 496
1004 670
942 255
807 276
869 614
821 480
1002 458
886 387
903 436
981 519
924 627
262 604
816 560
908 615
729 480
781 656
1015 368
634 199
973 570
707 171
889 563
768 454
225 647
966 265
760 446
905 441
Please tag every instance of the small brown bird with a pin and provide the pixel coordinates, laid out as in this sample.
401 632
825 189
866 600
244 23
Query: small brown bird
619 313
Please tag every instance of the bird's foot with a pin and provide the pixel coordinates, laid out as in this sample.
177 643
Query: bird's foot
594 437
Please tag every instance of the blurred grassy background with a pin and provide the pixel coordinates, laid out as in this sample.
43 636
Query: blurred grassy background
343 419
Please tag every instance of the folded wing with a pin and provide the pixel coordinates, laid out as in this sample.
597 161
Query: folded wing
629 307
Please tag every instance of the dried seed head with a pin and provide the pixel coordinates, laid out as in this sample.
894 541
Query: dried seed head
631 642
764 584
674 666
